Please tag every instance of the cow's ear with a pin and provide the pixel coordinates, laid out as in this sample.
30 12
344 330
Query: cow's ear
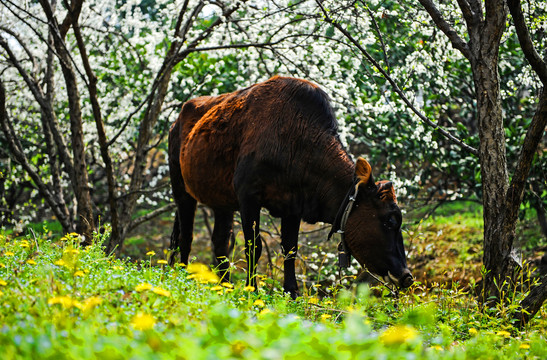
363 173
386 191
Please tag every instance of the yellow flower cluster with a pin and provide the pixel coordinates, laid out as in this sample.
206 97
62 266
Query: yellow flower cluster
201 273
70 237
68 302
143 321
162 292
143 287
398 334
505 334
157 290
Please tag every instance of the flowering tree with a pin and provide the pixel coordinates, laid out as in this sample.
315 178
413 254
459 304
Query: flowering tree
478 38
86 122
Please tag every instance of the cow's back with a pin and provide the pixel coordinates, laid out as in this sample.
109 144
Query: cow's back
272 125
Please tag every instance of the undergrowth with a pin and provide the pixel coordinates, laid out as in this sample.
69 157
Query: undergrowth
61 301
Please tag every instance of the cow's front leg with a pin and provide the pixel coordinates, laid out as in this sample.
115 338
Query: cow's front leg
290 226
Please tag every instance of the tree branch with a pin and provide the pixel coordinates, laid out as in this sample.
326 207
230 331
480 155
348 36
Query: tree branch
136 222
535 60
446 28
532 303
72 15
16 150
46 107
394 85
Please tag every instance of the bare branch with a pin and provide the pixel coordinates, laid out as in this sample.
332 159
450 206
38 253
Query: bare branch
534 134
136 222
45 106
525 41
446 28
181 15
72 15
394 85
379 33
16 149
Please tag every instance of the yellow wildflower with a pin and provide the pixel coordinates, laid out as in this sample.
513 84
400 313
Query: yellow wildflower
161 292
524 346
91 302
237 348
3 282
328 302
227 285
162 262
2 265
72 251
116 267
216 288
228 290
65 301
31 262
472 331
504 333
398 334
313 300
265 311
151 253
249 288
325 316
143 287
201 273
9 253
143 321
60 262
79 273
24 244
259 303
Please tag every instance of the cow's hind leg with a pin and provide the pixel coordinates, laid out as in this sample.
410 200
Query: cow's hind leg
222 234
250 221
249 208
181 237
290 226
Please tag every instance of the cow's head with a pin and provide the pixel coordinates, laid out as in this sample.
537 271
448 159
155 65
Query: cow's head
373 228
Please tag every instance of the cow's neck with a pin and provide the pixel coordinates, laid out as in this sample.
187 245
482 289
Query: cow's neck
335 177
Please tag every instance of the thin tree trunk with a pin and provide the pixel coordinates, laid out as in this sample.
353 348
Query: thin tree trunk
85 221
103 143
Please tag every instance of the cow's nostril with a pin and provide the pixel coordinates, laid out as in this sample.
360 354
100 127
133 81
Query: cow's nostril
406 280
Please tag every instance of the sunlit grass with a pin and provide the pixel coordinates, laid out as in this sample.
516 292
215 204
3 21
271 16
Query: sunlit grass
59 300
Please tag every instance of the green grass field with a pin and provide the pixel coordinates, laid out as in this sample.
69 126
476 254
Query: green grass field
61 301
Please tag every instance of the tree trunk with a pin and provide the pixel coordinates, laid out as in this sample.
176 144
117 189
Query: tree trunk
85 222
485 37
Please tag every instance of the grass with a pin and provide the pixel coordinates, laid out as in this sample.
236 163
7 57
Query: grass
61 301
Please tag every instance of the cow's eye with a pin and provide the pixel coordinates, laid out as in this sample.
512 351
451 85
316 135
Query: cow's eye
392 222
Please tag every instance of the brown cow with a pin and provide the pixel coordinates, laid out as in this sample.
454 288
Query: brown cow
275 145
